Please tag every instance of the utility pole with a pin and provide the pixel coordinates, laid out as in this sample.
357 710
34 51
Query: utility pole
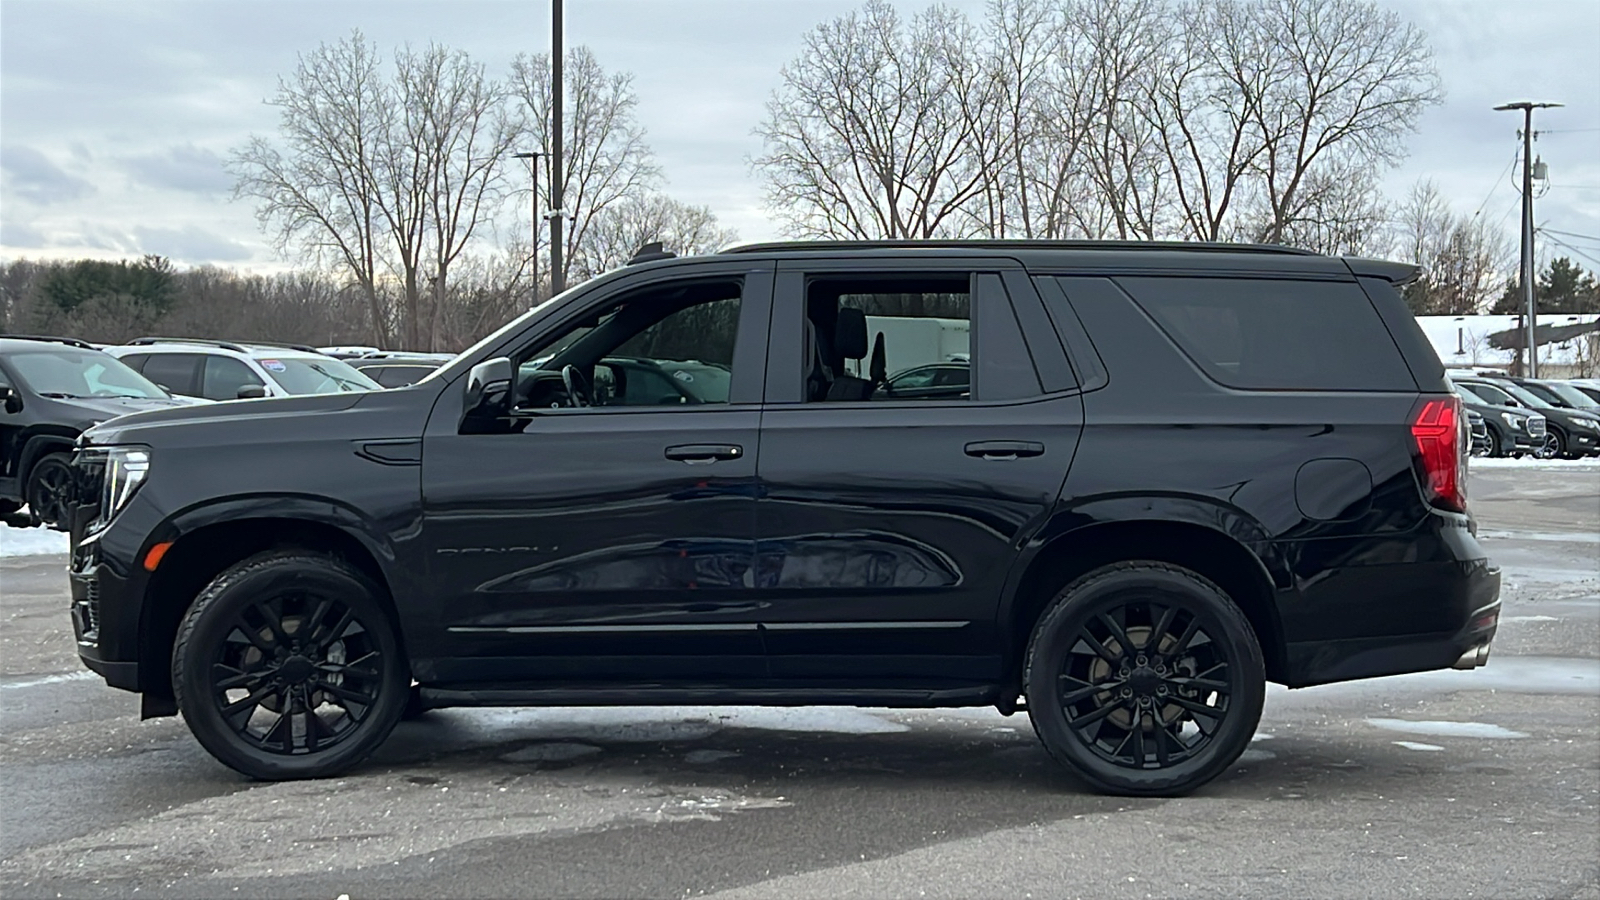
1527 108
558 279
533 210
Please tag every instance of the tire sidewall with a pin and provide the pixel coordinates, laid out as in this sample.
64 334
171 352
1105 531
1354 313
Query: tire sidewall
209 622
41 465
1106 589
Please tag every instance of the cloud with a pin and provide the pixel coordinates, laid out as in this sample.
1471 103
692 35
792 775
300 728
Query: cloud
184 167
15 234
31 175
190 244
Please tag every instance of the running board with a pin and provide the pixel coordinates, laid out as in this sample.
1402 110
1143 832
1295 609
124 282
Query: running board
437 697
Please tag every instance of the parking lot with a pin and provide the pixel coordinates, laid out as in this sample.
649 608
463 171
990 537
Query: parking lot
1480 783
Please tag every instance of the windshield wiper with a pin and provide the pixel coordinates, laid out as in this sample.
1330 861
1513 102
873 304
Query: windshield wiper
62 395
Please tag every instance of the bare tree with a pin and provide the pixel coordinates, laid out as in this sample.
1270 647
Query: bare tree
321 192
607 159
1463 259
622 228
882 129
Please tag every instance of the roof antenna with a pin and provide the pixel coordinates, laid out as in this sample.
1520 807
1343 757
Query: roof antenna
650 253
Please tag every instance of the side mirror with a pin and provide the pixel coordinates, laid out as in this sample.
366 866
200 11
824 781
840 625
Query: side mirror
251 392
10 399
488 391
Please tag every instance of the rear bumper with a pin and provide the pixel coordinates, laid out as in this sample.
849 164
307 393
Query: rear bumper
1323 662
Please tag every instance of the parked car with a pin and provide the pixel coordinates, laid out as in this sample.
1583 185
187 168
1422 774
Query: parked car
1126 526
51 389
1514 430
393 370
1561 394
1589 387
1572 433
948 380
1479 430
230 370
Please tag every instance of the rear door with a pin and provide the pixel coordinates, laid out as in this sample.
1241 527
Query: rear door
179 373
887 525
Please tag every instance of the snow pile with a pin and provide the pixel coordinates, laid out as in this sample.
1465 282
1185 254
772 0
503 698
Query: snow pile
1587 464
31 541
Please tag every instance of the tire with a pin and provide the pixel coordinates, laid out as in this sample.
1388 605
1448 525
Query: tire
1496 446
1553 447
1140 614
293 706
48 488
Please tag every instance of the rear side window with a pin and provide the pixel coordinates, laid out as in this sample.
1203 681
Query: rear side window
1276 334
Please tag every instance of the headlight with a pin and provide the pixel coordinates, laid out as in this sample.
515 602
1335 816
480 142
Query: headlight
1514 421
126 469
1582 422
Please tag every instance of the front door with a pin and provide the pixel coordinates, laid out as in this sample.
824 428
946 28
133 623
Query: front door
893 505
606 532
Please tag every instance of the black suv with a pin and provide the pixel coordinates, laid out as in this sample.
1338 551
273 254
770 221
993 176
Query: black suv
1181 471
51 389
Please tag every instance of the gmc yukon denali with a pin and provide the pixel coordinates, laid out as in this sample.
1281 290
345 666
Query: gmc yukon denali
1162 476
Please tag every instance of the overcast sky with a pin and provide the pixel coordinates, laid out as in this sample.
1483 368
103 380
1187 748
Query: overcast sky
115 117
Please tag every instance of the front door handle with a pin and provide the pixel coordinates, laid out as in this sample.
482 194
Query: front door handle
699 454
1004 449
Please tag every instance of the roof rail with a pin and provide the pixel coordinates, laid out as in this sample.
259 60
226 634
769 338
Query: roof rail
236 346
71 342
1007 244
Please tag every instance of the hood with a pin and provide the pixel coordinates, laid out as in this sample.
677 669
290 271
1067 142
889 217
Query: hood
139 425
101 408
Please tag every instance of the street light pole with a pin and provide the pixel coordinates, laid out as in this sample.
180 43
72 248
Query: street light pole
1527 275
558 280
533 209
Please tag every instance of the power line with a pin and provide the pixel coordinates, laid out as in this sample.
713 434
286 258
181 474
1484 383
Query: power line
1570 234
1517 154
1560 243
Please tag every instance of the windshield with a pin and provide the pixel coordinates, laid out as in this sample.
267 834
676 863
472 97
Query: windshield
1486 394
309 375
1571 395
68 372
706 383
1526 396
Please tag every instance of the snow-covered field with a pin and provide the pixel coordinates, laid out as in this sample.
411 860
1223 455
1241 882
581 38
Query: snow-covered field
31 541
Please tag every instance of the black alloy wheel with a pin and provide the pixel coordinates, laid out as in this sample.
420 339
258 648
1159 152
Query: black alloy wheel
49 489
1145 679
1496 446
287 666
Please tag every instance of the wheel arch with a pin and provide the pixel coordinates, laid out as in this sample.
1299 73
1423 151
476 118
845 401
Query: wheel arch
39 442
1213 553
207 541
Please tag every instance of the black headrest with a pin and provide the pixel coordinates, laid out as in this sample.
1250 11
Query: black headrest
850 335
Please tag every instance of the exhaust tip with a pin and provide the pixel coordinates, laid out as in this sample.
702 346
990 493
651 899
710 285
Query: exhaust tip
1475 656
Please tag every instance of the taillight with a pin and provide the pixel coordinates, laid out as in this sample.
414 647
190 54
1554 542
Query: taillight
1436 427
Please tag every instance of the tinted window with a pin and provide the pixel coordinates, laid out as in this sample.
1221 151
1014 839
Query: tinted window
134 361
1260 333
658 349
224 377
397 376
1487 393
922 320
174 371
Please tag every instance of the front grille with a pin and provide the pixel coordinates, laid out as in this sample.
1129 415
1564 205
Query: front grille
89 473
91 612
1536 426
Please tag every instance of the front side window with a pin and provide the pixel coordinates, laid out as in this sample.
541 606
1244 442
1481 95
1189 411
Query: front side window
225 377
663 348
174 371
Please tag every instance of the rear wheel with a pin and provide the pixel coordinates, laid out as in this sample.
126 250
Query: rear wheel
1144 679
288 666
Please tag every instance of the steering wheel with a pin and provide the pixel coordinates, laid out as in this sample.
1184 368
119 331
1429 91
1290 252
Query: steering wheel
579 391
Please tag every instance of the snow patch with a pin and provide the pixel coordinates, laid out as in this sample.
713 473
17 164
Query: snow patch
1254 755
1505 619
632 724
1560 537
48 679
1413 745
1528 462
31 541
1447 729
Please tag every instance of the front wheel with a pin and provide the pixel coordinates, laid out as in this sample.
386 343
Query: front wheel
288 666
1144 679
49 489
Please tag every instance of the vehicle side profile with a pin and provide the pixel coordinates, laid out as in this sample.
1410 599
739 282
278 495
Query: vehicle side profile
230 370
1178 472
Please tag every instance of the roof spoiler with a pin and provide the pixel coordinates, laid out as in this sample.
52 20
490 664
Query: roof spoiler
1397 274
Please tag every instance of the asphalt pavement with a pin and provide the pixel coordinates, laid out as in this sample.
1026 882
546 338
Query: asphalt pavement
1447 784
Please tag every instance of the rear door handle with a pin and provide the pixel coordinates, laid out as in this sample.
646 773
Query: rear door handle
1004 449
699 454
